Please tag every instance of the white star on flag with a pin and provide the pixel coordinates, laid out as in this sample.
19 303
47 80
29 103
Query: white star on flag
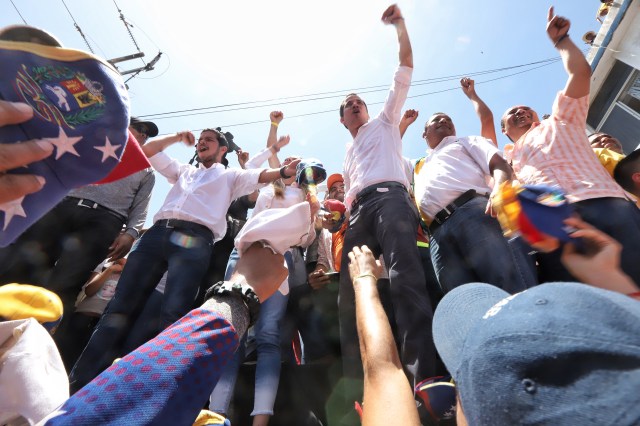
108 150
11 209
65 144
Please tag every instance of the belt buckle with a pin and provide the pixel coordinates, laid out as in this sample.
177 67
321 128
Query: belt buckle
167 223
81 203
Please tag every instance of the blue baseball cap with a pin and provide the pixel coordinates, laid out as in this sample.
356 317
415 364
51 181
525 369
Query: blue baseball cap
558 353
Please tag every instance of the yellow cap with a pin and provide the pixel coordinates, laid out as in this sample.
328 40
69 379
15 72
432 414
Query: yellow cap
21 301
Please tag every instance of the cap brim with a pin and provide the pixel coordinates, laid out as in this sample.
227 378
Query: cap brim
457 314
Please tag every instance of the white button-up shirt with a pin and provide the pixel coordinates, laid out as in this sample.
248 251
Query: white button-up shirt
375 155
202 195
455 166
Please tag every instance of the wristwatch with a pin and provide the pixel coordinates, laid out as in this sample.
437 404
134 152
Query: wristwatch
243 291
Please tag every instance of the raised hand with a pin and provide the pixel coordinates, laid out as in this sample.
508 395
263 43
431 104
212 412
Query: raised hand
243 157
391 15
468 87
276 116
557 26
186 137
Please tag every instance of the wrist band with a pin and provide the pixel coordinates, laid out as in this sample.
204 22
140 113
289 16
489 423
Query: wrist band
366 275
560 39
635 295
273 123
282 174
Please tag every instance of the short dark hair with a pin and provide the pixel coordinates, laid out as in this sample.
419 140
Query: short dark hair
344 102
222 140
26 33
623 173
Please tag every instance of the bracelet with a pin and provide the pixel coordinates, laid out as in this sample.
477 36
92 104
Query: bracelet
282 174
635 295
560 39
366 275
273 123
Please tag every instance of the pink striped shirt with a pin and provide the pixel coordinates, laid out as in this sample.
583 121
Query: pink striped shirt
556 152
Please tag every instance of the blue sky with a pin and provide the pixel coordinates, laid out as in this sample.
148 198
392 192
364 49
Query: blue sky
222 52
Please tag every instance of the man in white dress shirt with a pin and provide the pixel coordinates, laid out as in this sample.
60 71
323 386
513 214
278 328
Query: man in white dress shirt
451 188
191 219
384 218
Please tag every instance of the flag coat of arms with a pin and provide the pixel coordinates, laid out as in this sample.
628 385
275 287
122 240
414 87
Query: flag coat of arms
80 105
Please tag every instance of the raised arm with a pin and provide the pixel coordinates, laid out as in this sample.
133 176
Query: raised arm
487 128
272 140
574 61
501 172
408 118
393 16
269 175
387 392
157 145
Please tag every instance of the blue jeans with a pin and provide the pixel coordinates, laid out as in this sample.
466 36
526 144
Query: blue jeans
618 217
469 247
267 335
185 254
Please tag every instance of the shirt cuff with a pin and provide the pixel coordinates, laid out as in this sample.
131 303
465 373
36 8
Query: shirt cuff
133 232
160 160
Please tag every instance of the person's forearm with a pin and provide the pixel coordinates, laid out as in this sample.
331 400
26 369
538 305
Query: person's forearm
377 347
500 170
487 128
155 146
274 162
96 282
270 175
577 68
610 280
572 57
406 54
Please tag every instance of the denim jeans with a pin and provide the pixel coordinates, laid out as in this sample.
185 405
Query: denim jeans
618 217
185 254
469 247
267 335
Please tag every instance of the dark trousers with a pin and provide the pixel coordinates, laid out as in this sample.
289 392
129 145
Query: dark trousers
618 217
60 251
185 254
386 222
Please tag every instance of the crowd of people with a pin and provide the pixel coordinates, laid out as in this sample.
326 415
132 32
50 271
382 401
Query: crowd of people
374 280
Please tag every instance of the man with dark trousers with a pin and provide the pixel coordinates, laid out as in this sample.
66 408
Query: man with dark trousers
384 218
91 223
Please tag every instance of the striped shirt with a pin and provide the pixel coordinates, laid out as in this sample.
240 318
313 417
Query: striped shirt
556 152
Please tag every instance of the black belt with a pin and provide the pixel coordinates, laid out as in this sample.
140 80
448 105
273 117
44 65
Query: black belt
83 202
372 188
446 212
185 224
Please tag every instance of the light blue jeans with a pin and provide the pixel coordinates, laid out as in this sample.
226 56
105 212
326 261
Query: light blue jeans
267 335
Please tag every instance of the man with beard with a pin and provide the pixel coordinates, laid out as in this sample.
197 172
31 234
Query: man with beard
191 219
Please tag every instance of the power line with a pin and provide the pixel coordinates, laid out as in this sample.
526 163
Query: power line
333 110
331 94
78 27
22 17
127 25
